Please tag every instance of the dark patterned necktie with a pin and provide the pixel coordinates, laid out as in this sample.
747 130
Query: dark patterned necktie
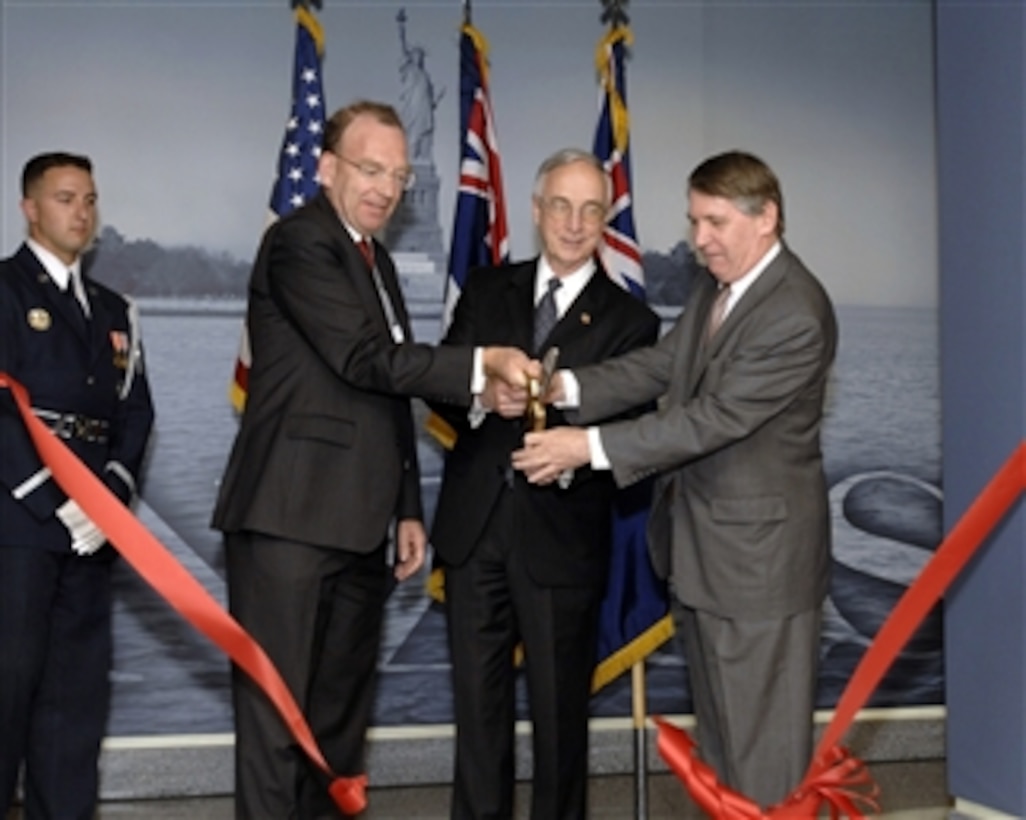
546 315
71 294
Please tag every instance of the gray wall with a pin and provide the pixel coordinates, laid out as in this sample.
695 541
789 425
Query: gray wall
982 172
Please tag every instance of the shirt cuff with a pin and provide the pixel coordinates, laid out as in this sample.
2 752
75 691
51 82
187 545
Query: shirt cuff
477 374
477 412
571 391
599 459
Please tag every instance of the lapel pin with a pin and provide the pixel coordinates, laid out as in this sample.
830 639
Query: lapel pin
585 318
39 319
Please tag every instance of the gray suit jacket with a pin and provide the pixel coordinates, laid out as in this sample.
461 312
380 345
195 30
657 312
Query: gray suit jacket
740 518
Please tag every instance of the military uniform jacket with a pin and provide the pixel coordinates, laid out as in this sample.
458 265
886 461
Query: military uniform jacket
88 384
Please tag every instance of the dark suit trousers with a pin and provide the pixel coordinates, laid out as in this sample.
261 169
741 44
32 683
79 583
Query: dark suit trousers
493 603
317 613
55 655
753 683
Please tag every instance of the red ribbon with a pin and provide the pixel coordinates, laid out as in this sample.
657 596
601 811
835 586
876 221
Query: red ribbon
162 571
835 779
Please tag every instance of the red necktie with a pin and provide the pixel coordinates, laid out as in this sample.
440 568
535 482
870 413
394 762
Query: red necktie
367 251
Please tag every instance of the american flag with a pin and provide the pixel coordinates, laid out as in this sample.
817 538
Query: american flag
634 619
297 181
480 235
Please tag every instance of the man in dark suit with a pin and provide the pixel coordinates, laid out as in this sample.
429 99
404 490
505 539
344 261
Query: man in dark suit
74 345
740 522
527 563
325 460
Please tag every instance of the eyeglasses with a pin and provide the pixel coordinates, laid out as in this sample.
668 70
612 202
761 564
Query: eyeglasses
373 172
590 213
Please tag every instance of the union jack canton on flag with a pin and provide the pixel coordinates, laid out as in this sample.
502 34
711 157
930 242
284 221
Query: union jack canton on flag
480 236
620 252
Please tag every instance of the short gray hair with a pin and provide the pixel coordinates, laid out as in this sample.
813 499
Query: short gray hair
568 156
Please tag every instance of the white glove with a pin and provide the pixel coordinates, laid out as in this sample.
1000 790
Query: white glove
86 537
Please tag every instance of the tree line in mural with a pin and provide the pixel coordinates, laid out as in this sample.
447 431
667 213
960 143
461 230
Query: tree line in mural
142 267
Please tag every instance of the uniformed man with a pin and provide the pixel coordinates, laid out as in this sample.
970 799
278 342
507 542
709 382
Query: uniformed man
74 345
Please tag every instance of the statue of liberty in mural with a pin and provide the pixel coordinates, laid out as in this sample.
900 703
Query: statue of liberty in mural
417 98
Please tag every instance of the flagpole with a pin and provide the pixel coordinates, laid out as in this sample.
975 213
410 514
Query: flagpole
639 713
614 14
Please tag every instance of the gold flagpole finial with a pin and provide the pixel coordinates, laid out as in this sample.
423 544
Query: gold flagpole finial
305 4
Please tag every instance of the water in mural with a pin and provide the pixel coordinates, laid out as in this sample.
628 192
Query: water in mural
882 453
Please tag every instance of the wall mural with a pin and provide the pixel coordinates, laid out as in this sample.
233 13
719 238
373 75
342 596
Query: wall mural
182 111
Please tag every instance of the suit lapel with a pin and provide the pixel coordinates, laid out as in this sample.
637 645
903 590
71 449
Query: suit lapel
356 268
99 322
391 281
520 304
700 352
588 310
768 280
51 295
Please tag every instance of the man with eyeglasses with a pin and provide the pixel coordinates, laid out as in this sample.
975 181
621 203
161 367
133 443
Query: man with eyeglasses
528 564
325 461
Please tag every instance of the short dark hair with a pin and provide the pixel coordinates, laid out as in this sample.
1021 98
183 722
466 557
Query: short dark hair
742 178
341 120
41 163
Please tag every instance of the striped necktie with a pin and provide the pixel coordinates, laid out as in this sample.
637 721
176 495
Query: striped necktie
546 315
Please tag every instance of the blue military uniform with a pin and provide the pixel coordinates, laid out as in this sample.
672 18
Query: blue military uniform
87 382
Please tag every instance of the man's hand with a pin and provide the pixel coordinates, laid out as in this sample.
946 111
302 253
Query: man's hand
86 537
410 544
511 365
508 402
549 453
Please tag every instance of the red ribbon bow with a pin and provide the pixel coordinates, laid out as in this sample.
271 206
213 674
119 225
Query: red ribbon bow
836 778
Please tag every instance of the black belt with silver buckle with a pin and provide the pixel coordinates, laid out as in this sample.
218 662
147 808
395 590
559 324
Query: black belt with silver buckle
71 425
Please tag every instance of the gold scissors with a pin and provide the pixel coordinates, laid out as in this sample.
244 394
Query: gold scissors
539 387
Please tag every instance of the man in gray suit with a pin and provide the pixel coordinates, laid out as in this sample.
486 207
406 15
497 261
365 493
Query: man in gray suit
740 521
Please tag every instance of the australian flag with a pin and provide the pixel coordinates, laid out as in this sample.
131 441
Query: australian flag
480 236
297 181
620 252
634 619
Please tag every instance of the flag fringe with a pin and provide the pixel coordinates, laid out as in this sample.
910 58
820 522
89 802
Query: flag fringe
604 63
435 585
440 430
631 653
307 20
